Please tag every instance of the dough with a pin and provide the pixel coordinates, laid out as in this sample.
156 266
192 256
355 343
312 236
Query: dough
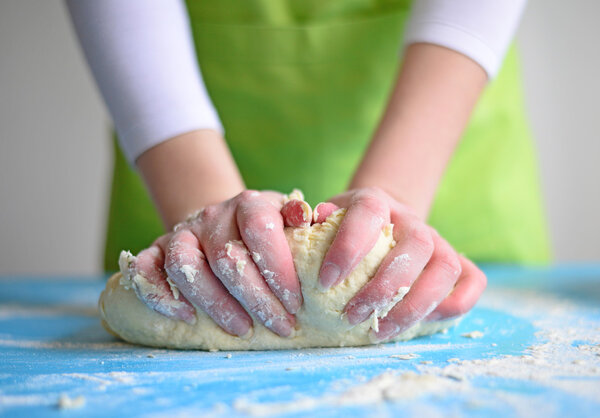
319 321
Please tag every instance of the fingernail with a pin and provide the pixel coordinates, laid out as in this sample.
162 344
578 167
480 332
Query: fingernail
387 330
380 336
433 316
293 306
346 324
329 275
352 319
248 334
292 333
283 327
190 318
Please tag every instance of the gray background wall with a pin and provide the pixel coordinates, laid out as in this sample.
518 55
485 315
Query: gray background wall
55 156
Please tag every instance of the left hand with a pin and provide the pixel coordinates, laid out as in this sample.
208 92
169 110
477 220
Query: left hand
443 284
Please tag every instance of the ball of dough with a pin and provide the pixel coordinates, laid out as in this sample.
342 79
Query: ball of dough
319 322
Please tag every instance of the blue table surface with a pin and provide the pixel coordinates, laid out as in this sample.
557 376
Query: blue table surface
539 355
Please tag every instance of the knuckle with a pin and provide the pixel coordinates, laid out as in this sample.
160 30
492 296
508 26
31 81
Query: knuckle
372 202
448 262
247 195
258 222
420 237
161 241
373 191
260 307
210 213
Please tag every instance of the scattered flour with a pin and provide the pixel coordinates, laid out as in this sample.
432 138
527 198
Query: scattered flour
567 358
65 402
410 356
240 265
473 334
385 387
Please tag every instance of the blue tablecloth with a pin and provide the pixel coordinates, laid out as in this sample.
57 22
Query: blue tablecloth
539 355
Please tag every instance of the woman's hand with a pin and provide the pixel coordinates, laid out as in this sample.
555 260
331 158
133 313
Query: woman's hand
229 259
443 284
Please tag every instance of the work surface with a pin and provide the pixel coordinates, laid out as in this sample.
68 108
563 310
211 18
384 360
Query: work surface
530 348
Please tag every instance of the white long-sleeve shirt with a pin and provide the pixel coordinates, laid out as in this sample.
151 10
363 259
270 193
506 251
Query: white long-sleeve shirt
143 59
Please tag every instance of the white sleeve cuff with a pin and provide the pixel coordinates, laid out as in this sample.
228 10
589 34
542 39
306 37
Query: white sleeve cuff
162 122
457 39
143 58
480 30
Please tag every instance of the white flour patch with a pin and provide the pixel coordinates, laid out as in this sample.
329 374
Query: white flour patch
122 377
381 312
65 402
174 289
190 272
85 376
240 265
410 356
399 265
473 334
228 248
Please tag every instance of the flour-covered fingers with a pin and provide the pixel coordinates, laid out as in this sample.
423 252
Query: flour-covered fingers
149 281
261 228
469 287
188 269
398 270
367 213
431 287
231 263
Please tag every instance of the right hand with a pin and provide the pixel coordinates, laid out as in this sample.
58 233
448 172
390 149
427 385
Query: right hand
229 259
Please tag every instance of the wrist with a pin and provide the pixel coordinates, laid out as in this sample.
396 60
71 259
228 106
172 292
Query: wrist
187 172
427 111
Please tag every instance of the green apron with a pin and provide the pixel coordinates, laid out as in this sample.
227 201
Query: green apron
300 87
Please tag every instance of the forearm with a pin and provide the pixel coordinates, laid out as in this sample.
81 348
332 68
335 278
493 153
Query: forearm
427 112
188 172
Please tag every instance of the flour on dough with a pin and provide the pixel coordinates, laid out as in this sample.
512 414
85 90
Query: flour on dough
319 322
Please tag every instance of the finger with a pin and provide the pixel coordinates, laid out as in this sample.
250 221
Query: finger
296 213
260 225
469 287
358 233
230 262
322 211
399 269
149 281
187 268
431 287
